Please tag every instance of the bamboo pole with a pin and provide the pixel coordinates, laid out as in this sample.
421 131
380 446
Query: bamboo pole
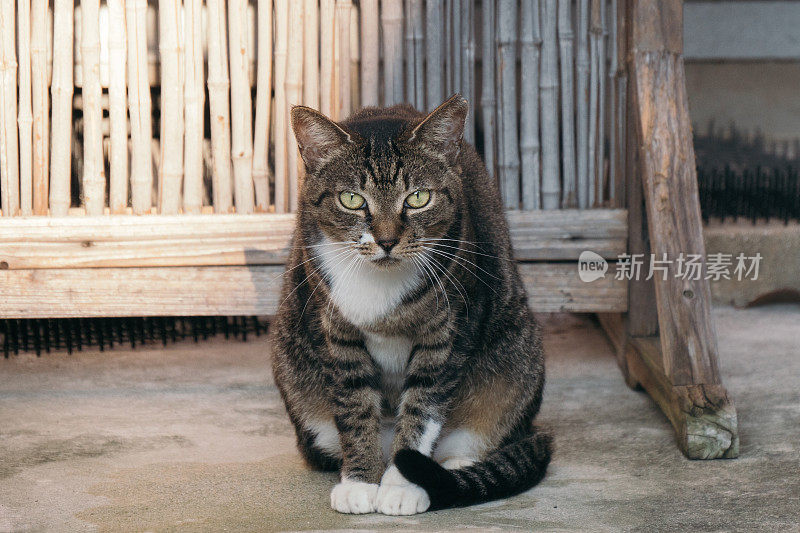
241 106
415 42
172 120
594 29
294 80
311 54
219 107
194 101
447 46
117 112
612 108
327 38
281 111
601 101
61 95
355 59
392 24
582 103
455 46
487 92
94 180
434 54
25 109
467 48
263 104
507 76
139 107
569 192
9 147
370 48
41 107
530 44
344 103
548 87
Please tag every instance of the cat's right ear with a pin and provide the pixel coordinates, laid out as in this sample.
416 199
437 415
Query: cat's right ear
318 137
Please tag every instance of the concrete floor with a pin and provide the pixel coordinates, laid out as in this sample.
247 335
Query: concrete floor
194 437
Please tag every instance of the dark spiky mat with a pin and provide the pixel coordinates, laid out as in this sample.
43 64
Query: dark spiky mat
68 334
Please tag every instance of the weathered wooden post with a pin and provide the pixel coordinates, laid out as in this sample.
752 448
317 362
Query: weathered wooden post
670 349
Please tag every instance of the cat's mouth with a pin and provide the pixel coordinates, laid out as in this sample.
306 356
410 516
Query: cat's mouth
385 261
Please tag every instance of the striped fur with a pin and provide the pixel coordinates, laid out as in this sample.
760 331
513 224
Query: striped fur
431 330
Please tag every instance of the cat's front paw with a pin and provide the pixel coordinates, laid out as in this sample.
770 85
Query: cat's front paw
398 496
354 497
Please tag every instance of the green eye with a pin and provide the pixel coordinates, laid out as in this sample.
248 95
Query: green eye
351 200
418 198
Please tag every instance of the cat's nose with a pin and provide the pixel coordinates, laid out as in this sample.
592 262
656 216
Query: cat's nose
387 244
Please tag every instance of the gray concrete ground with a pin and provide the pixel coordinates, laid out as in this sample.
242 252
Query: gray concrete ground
194 437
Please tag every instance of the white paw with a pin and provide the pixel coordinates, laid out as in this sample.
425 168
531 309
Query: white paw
454 463
398 496
354 497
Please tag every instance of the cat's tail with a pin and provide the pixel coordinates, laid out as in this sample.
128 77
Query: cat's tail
504 472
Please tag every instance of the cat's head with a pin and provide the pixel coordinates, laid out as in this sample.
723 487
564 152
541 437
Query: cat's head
386 186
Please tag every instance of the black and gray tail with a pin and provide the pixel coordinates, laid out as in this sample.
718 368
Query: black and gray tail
504 472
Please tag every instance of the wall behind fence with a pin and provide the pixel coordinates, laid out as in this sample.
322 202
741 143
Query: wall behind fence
169 106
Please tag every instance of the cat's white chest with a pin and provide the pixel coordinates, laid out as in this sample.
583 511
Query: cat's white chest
364 293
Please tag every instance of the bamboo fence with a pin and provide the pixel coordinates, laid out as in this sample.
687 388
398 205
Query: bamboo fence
109 116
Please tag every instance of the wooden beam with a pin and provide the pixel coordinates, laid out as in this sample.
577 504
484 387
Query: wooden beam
703 415
663 126
183 240
238 290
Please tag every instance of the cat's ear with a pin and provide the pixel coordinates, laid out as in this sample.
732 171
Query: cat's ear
443 128
318 137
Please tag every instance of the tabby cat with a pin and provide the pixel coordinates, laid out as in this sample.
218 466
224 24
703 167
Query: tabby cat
404 337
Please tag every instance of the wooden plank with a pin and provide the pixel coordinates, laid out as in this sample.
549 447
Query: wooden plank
237 290
670 188
183 240
703 415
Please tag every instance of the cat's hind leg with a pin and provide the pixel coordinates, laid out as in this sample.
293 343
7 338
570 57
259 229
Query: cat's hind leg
318 442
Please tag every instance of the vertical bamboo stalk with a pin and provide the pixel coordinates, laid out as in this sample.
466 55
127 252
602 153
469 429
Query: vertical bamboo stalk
370 51
507 76
94 180
548 87
447 40
311 54
392 24
344 103
281 111
172 121
263 102
61 95
620 104
531 44
355 59
117 112
582 102
219 107
194 101
25 110
612 107
467 47
455 46
569 193
327 38
487 92
139 107
418 38
601 102
434 54
241 106
594 104
294 80
9 147
41 107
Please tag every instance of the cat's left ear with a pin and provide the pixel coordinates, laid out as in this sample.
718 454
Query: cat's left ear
443 128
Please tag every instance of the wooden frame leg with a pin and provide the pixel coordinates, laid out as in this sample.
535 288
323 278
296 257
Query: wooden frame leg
672 352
